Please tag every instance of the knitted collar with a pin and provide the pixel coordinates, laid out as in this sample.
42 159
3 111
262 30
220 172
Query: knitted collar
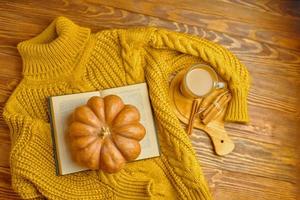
50 52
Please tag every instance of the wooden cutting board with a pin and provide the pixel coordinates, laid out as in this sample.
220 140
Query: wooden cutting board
215 129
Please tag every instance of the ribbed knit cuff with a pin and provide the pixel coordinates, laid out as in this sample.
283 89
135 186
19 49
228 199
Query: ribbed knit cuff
127 186
238 109
139 189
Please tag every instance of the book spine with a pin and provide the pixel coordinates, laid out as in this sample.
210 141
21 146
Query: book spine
53 136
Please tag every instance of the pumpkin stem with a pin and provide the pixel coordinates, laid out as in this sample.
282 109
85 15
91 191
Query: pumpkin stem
104 132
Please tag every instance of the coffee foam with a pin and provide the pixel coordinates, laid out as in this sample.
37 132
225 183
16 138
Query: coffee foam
199 81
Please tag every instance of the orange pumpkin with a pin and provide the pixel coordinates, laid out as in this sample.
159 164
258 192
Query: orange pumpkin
104 134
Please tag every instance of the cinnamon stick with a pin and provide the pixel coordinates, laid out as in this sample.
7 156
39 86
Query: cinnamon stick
195 107
217 108
208 110
208 100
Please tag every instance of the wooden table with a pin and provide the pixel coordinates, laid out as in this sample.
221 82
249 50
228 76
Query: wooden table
264 35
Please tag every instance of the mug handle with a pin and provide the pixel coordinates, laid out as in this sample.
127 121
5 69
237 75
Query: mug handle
219 85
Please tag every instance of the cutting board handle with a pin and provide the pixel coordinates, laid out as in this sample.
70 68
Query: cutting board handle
221 141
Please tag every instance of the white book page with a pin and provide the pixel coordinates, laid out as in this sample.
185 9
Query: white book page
137 95
62 107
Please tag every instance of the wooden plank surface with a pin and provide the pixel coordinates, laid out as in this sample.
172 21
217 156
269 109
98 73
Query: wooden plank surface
265 35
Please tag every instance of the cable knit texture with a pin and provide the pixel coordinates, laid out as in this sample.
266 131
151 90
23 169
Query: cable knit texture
66 58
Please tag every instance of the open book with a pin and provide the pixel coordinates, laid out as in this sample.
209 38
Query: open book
61 107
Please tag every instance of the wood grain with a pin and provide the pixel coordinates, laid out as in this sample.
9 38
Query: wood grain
236 19
263 34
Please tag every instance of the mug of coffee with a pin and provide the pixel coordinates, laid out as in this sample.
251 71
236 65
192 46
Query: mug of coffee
199 81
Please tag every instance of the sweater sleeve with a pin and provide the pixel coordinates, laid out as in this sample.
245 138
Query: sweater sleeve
223 61
21 127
